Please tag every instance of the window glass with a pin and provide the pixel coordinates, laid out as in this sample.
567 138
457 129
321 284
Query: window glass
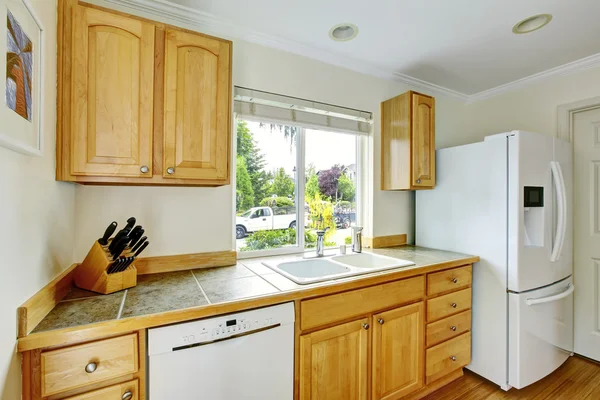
331 186
265 186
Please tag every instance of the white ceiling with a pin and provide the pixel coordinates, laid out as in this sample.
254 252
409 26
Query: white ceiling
466 46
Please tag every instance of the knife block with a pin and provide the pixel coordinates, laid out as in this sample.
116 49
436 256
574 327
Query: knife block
91 273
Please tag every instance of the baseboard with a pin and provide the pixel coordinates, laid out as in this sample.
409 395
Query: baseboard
379 242
183 262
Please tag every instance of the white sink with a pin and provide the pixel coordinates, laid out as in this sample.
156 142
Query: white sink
324 269
371 261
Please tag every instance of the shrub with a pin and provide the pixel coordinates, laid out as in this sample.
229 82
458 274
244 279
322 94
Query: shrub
276 202
263 240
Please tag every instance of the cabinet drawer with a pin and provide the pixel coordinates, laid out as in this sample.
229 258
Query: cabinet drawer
448 328
449 304
447 357
452 279
337 307
115 392
65 369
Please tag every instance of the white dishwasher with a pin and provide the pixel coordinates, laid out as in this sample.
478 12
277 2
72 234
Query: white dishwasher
247 355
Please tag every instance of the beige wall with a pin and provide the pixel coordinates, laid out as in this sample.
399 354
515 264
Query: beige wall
533 108
36 218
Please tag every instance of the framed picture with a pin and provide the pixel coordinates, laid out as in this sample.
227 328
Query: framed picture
20 66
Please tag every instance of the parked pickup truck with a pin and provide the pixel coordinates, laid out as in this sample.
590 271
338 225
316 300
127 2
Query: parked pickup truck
264 218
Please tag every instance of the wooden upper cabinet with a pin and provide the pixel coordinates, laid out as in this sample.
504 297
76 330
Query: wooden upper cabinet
197 107
112 94
140 102
408 142
398 352
334 363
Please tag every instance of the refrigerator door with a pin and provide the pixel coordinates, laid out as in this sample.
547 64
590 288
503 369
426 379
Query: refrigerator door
534 197
540 329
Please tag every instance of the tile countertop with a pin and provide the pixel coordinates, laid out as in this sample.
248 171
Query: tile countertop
160 293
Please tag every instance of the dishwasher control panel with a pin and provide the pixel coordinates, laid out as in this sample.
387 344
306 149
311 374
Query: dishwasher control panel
185 335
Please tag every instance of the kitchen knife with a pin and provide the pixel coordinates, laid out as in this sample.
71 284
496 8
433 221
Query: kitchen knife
128 263
138 244
123 266
135 235
108 233
130 223
120 246
113 268
137 253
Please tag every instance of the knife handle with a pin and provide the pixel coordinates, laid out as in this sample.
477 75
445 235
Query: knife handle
138 244
115 265
135 236
108 233
130 223
137 253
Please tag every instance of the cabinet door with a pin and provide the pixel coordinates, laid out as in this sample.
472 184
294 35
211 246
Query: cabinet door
423 141
333 362
398 351
112 94
197 121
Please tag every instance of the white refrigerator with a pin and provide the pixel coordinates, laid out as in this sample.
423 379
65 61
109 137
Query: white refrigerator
508 200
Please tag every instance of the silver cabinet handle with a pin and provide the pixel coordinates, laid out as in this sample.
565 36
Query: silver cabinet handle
419 180
365 326
453 358
453 305
91 367
453 328
381 321
127 395
454 280
144 169
170 170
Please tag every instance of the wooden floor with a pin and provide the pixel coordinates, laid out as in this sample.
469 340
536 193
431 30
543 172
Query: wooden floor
576 379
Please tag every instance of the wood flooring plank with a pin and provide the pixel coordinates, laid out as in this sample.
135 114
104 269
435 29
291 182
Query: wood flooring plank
577 378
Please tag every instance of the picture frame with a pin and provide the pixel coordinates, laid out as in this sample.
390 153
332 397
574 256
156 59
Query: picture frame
21 65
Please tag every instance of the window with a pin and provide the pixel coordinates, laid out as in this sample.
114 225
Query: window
292 180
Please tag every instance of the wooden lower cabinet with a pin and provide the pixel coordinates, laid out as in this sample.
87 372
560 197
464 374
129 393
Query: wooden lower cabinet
334 362
123 391
398 352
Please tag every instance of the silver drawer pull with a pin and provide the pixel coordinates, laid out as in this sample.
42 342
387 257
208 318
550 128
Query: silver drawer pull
454 280
453 305
91 367
170 170
453 358
453 328
127 395
144 169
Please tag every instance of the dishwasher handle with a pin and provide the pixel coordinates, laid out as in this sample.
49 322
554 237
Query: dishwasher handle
239 335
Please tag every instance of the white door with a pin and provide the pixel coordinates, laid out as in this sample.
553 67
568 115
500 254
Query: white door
586 138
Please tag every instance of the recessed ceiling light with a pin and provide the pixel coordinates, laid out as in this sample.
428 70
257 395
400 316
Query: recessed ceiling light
343 32
532 24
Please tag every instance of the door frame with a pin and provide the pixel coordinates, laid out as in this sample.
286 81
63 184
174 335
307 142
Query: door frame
566 114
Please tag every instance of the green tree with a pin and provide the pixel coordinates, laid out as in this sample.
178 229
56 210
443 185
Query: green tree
255 161
312 186
243 186
346 188
283 184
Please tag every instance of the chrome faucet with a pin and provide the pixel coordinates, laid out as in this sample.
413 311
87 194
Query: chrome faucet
320 243
357 239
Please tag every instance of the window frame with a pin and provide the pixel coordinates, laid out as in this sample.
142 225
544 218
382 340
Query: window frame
300 184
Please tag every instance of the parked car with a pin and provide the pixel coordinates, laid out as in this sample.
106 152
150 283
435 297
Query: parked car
264 218
344 219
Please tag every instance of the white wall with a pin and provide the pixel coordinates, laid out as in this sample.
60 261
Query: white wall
533 108
191 220
36 218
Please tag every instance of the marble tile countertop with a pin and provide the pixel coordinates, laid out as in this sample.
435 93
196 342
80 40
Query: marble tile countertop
159 293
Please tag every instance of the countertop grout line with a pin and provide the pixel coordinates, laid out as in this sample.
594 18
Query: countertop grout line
200 286
120 313
269 283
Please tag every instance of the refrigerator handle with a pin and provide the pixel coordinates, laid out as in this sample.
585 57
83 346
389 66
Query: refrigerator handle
561 195
561 295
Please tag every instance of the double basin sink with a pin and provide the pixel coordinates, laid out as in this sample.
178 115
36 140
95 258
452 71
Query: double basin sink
323 269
